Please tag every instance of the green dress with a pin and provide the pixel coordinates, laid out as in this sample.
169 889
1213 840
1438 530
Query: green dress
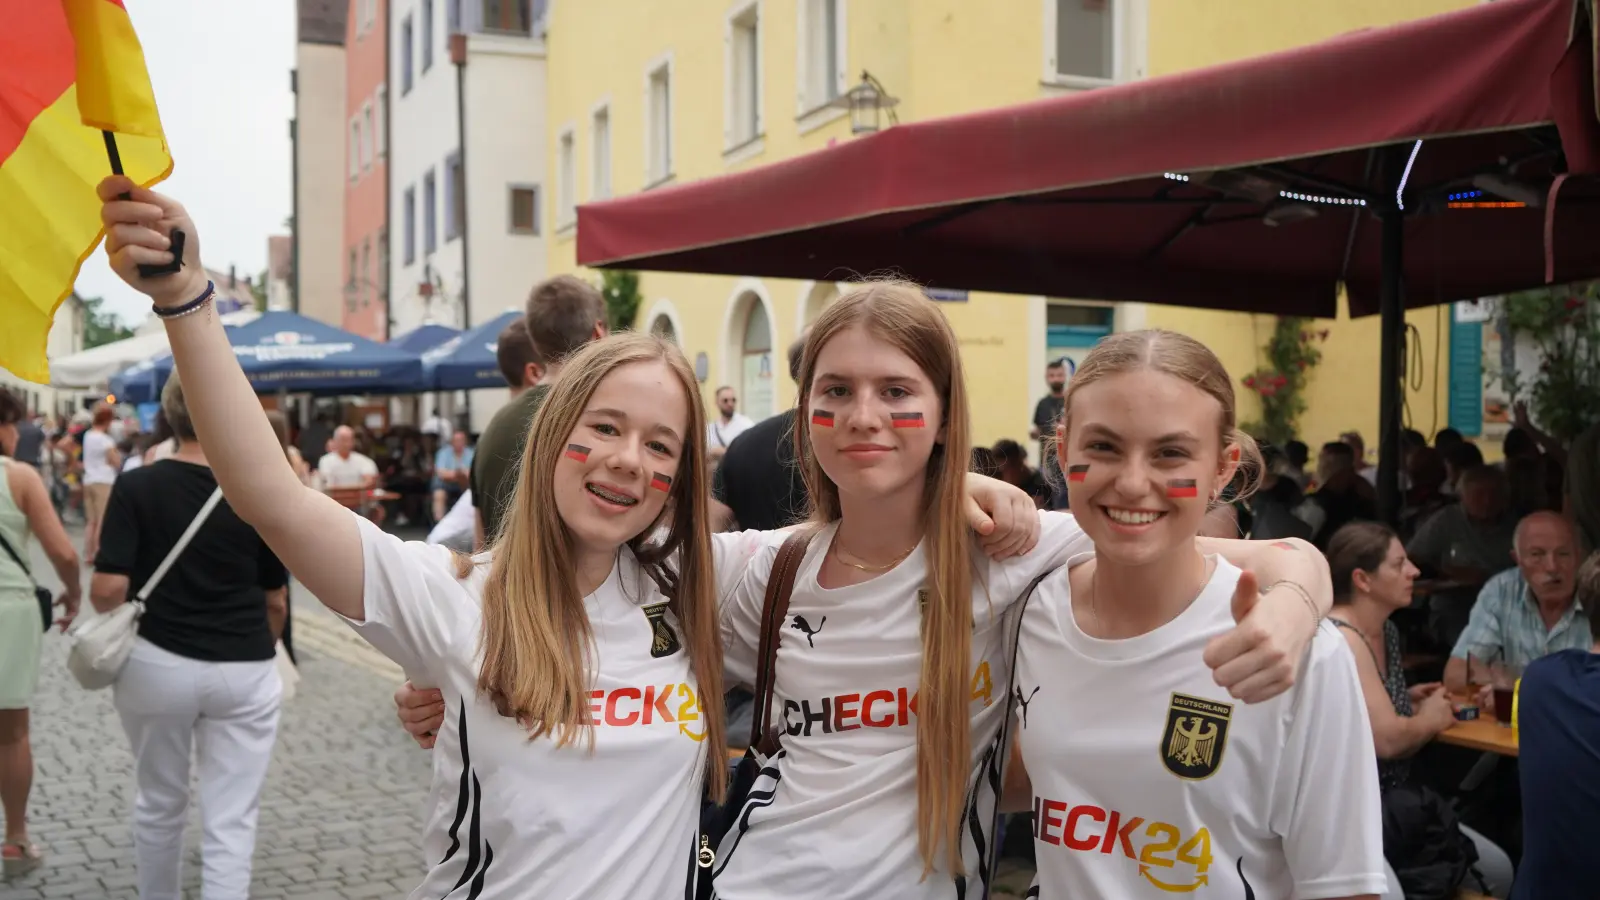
21 634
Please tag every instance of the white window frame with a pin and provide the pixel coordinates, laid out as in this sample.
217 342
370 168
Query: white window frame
355 146
454 199
652 178
407 56
426 15
1129 44
511 225
600 152
380 122
566 178
408 220
368 129
733 95
805 101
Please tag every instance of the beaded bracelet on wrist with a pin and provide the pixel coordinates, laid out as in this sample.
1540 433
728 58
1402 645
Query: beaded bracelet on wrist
192 306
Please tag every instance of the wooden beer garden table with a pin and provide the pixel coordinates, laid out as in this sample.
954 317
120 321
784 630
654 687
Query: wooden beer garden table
1483 733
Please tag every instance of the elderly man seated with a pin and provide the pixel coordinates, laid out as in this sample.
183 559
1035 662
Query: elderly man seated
1530 611
346 474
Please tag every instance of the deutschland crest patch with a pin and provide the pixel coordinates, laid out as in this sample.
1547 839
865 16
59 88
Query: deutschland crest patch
663 640
1195 736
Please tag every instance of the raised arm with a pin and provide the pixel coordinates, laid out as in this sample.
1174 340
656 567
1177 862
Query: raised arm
315 537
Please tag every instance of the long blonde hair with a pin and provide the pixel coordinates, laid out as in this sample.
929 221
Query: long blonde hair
1186 359
900 315
538 649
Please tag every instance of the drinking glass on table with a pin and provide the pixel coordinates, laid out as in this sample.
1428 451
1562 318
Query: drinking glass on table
1505 677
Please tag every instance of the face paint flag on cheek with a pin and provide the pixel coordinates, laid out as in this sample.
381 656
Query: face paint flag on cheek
822 418
577 452
907 420
1179 488
1076 474
660 482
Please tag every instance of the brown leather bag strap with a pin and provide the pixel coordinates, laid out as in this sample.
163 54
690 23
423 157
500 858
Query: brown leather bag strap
774 609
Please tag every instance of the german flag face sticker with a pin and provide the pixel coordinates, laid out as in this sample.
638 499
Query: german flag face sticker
660 482
907 420
1180 488
577 452
1076 474
822 418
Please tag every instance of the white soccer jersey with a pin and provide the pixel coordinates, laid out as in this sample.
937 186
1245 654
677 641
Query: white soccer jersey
513 818
834 812
1149 779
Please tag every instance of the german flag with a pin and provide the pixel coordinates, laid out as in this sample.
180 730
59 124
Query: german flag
1182 487
72 74
660 482
1076 474
822 417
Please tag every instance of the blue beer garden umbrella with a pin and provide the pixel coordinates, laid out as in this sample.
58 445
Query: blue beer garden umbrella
423 338
287 351
468 360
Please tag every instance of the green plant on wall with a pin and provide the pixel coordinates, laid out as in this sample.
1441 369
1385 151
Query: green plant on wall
621 290
1563 323
1280 382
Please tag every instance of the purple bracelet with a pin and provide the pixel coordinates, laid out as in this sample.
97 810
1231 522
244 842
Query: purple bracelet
187 308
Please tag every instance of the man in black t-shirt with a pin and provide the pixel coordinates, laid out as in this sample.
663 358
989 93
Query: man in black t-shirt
1046 413
758 479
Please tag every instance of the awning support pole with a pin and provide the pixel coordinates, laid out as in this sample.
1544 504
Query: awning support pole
1392 325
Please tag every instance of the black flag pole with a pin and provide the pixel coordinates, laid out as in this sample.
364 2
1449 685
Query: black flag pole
177 236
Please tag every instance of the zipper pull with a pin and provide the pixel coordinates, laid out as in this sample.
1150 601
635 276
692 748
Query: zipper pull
706 856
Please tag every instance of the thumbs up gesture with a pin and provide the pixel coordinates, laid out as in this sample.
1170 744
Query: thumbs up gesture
1245 596
1260 657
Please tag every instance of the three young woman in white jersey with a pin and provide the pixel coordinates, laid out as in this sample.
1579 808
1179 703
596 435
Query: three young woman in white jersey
1146 778
892 667
575 656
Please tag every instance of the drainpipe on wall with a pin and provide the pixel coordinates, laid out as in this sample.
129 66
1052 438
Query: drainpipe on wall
388 174
458 56
294 194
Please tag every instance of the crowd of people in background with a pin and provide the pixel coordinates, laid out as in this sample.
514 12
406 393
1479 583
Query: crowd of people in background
1482 573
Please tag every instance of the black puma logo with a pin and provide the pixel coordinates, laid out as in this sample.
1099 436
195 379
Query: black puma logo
1024 704
801 625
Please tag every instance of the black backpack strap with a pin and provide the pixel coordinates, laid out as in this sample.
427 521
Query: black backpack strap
763 736
997 771
15 557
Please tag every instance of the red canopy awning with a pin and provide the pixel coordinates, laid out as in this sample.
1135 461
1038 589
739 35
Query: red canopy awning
1074 196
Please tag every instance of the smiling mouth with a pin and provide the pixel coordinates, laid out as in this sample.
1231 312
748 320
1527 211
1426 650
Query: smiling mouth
1130 516
611 496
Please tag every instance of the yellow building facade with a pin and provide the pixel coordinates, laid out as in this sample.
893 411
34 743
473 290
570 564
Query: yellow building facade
643 93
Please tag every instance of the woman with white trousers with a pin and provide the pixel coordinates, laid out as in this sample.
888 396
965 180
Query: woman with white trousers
201 683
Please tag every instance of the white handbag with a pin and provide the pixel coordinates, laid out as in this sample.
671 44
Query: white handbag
98 645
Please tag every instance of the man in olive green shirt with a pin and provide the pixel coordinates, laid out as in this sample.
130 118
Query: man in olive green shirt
562 314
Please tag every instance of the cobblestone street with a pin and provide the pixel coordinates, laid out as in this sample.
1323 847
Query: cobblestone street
340 815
